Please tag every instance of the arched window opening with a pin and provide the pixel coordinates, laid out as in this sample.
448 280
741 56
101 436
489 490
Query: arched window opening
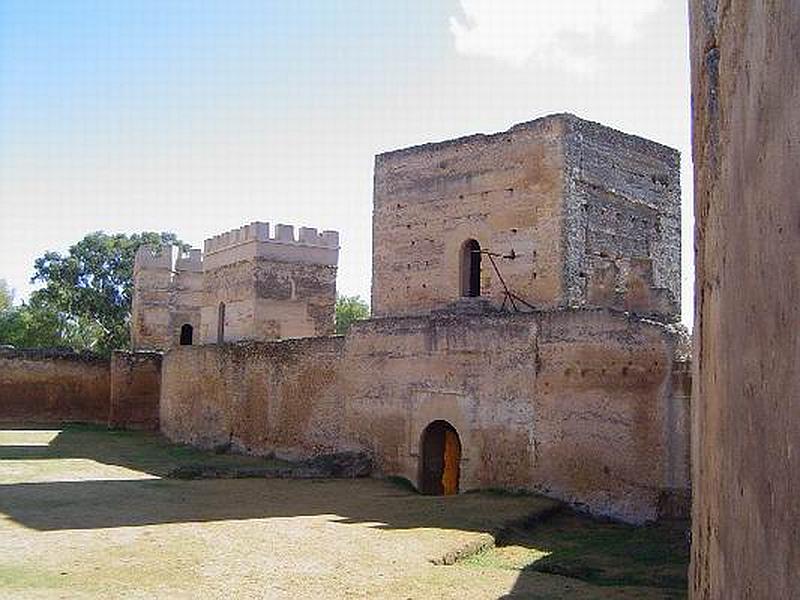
471 269
187 331
440 459
221 323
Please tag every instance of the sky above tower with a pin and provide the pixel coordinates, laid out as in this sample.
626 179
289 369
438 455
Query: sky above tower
199 116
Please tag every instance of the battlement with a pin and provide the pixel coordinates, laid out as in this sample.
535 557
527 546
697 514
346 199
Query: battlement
254 241
169 258
156 257
284 234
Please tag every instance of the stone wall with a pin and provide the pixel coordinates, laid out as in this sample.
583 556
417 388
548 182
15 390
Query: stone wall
265 299
746 445
135 390
590 215
271 286
503 190
623 211
257 397
580 405
51 386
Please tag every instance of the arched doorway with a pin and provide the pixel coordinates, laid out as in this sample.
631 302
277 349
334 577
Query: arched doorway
440 459
187 332
471 269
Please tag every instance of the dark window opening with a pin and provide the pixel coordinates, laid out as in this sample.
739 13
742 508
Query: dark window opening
186 334
471 269
221 323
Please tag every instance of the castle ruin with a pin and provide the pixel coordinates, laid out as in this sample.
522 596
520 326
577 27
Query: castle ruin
525 295
524 331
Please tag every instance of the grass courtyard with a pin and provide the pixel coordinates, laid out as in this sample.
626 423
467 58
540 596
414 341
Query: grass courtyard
91 513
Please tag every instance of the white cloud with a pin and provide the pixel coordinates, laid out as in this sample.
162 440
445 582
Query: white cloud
547 31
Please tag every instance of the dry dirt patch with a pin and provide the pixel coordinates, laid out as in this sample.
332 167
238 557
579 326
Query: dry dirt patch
74 526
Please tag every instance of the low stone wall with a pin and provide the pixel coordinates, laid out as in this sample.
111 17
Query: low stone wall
585 406
53 386
135 390
282 397
577 405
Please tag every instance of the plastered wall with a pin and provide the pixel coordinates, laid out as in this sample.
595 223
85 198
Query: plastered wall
271 397
503 190
135 390
746 421
59 386
576 404
265 299
50 386
580 405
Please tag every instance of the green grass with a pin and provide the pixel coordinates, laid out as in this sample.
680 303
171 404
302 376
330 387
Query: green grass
598 552
143 451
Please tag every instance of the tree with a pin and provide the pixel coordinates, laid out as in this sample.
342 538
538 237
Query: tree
348 310
34 326
6 296
87 292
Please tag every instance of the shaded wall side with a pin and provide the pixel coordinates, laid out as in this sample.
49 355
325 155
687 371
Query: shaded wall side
623 204
746 90
53 387
135 390
271 397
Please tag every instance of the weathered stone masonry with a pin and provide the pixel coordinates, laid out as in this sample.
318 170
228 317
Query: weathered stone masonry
592 216
582 395
246 285
583 398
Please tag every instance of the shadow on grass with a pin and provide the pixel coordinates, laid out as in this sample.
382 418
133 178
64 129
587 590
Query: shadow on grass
603 553
142 451
534 535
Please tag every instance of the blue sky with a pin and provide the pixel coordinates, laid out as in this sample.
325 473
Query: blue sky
198 116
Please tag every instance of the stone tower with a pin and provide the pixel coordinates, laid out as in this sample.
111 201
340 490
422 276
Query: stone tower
246 285
571 213
259 287
151 310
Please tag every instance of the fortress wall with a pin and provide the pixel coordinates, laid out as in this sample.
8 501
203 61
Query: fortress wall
746 422
256 397
585 406
577 405
135 390
53 386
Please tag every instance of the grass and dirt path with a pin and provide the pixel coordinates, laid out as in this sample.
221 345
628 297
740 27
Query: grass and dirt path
91 513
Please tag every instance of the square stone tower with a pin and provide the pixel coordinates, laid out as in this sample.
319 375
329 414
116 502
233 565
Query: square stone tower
259 287
246 285
557 212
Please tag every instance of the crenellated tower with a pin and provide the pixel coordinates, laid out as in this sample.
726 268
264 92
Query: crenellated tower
260 286
246 285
